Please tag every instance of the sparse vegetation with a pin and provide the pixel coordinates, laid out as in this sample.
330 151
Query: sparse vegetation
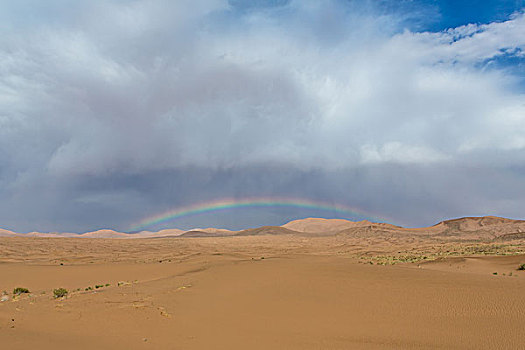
20 290
443 251
60 292
521 267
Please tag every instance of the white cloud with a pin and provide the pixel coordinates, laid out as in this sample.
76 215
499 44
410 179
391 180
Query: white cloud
270 89
396 152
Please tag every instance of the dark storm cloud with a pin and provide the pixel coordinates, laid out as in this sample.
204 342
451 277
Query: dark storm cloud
113 111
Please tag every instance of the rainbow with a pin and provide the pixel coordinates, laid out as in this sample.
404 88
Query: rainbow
225 204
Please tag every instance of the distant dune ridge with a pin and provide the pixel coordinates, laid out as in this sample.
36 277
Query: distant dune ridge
318 225
6 233
486 227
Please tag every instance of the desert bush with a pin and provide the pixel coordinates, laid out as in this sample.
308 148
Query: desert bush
521 267
20 290
60 292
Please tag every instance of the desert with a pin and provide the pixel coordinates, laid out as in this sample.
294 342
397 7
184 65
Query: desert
310 284
262 174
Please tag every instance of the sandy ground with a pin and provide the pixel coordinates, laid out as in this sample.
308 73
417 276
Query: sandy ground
258 292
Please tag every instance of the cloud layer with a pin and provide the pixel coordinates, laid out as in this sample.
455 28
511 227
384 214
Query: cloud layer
110 111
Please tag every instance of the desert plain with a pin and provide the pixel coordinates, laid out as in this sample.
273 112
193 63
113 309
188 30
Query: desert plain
309 284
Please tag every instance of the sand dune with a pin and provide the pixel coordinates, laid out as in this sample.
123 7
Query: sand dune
6 233
319 225
473 223
157 234
104 234
266 230
479 227
332 226
213 231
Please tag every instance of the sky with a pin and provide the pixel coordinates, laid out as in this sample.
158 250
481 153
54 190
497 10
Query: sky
112 112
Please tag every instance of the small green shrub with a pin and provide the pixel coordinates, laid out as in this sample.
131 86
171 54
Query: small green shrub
60 292
521 267
99 286
20 290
